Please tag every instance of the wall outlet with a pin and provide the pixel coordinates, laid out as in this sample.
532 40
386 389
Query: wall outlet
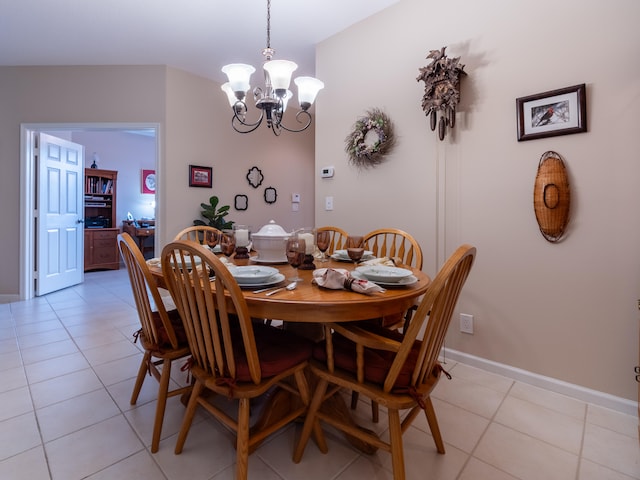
466 323
328 203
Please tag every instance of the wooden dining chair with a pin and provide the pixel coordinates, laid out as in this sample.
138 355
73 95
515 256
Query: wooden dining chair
338 238
197 233
397 371
233 357
395 244
403 249
161 333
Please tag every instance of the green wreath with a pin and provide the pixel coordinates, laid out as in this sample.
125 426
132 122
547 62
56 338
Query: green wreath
371 139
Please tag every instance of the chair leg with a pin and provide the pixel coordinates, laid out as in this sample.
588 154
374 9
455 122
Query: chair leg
395 439
430 413
242 440
188 416
142 372
163 391
375 412
311 422
354 400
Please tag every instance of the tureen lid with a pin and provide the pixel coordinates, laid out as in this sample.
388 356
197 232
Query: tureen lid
272 229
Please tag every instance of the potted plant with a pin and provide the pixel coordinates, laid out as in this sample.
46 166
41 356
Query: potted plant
214 214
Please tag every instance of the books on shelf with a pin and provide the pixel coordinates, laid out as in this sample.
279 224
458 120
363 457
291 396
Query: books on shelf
99 185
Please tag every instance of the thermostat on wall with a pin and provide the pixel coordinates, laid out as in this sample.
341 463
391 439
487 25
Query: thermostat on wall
326 172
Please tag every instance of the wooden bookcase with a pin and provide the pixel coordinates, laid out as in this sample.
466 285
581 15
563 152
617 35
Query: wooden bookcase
100 230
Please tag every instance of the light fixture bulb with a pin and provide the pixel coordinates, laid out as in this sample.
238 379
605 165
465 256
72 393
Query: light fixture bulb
285 100
239 75
280 72
231 96
308 88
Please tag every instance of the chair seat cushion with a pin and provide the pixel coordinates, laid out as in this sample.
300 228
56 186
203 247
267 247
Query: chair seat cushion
376 362
178 328
278 351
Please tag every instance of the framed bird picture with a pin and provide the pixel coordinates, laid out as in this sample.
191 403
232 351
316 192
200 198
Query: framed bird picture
557 112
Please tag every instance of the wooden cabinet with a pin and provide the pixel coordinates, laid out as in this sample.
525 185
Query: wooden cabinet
101 249
100 230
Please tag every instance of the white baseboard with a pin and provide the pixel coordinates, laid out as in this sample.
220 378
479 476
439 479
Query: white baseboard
9 298
622 405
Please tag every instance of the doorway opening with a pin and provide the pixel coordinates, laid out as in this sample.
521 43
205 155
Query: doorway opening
142 206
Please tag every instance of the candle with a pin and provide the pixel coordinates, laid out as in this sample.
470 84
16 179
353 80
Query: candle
242 237
308 242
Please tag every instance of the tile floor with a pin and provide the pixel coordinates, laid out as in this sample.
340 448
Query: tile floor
67 366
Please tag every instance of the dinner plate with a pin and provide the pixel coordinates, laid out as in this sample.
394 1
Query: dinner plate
267 262
343 256
277 278
405 282
252 273
187 261
384 273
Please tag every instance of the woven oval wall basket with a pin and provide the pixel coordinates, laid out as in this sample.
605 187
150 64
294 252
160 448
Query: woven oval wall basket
552 197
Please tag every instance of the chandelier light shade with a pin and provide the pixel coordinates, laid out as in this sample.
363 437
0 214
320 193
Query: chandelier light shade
272 99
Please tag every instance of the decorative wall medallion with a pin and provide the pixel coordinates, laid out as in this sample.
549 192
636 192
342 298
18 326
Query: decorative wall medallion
255 177
270 195
241 202
371 139
552 197
441 90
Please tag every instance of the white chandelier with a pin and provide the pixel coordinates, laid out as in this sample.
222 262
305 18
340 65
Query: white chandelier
273 99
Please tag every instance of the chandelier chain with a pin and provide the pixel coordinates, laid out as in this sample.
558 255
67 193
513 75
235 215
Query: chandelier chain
268 23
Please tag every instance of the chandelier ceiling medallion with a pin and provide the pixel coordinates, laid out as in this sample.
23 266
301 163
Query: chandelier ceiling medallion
273 98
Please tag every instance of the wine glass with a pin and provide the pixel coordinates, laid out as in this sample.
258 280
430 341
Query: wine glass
211 239
355 248
228 242
296 248
323 238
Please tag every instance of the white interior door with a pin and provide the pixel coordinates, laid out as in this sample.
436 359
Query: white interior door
59 214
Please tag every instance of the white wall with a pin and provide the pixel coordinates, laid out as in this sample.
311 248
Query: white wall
128 154
566 310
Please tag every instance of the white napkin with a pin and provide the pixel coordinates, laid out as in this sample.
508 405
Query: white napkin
153 262
379 261
338 279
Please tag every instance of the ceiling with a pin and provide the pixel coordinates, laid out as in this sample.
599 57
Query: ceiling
199 36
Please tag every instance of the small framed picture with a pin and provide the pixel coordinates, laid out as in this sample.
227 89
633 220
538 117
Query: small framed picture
241 202
270 195
558 112
148 181
200 176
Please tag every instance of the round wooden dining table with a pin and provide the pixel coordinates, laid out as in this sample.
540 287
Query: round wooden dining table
308 304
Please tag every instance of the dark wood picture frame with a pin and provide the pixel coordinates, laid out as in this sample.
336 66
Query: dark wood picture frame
241 202
255 177
556 112
270 195
200 176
